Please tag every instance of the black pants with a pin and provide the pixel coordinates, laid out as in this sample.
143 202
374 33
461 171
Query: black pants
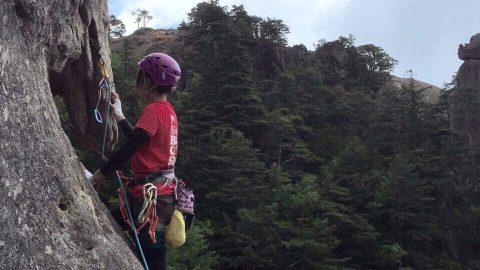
155 253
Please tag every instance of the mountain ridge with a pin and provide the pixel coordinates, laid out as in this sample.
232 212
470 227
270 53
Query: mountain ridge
147 40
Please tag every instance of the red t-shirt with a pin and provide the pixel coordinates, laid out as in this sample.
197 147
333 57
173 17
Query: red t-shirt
160 152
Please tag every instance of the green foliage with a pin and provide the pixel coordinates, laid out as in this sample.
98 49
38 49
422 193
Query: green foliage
293 221
406 212
378 64
309 165
195 254
272 30
117 27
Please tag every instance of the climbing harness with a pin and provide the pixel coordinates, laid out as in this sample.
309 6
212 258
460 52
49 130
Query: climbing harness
148 213
107 84
148 189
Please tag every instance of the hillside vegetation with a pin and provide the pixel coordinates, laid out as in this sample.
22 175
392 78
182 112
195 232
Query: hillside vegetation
307 159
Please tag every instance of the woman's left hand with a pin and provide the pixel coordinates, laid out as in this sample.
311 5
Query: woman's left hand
117 107
98 178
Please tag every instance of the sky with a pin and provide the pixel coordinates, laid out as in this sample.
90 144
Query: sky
423 35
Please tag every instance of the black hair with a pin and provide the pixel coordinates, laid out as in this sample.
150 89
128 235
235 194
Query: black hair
144 78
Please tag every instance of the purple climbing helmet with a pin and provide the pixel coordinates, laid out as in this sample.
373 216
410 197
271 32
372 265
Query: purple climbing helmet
162 68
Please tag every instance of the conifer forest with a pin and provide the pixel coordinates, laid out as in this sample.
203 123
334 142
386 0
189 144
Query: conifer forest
306 159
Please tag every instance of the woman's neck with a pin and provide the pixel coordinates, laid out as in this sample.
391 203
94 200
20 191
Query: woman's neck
156 98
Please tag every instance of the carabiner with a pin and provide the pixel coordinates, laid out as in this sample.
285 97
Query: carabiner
98 116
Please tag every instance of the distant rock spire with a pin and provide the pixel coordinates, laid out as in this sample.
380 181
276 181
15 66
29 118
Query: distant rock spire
465 96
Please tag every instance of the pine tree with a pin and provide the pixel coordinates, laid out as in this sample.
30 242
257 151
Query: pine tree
292 227
351 184
228 175
117 27
405 213
195 254
223 65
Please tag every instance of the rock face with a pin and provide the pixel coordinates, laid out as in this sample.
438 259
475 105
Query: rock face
337 56
51 218
470 50
464 106
431 94
269 59
144 41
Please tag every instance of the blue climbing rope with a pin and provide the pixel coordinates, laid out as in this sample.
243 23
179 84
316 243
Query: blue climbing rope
109 85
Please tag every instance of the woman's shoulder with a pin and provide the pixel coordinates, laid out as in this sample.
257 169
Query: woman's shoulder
160 107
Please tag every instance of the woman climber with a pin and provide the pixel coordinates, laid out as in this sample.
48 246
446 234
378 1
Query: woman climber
151 148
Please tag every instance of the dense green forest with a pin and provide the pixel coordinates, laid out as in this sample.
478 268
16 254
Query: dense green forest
308 166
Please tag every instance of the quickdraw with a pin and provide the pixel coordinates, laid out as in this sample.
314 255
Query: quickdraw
105 87
148 213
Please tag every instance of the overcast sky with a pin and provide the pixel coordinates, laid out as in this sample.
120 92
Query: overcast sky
423 35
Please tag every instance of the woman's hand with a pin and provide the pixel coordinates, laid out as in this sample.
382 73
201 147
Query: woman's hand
87 173
98 178
116 107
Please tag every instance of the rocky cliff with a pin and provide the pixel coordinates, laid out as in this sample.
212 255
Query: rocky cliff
431 94
267 59
51 218
465 97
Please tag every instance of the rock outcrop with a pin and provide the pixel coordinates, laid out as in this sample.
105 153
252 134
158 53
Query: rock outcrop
144 41
431 93
470 50
267 58
464 104
51 218
337 56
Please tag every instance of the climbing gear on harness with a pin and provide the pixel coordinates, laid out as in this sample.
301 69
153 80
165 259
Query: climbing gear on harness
150 195
185 199
184 202
148 213
105 81
148 191
130 218
175 234
162 68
